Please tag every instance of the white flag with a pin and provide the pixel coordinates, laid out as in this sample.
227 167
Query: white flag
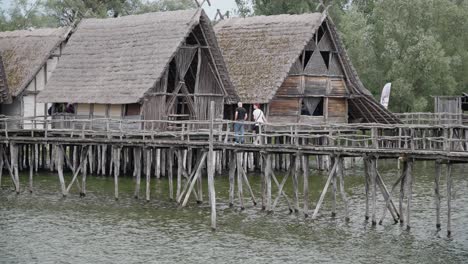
385 97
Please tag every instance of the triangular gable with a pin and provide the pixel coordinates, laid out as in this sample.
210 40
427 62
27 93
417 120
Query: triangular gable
316 64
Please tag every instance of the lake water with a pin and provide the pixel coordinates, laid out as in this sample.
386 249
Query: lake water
43 227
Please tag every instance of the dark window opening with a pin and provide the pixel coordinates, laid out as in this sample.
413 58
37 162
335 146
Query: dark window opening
312 106
326 57
319 34
171 80
132 109
308 55
191 40
190 77
199 35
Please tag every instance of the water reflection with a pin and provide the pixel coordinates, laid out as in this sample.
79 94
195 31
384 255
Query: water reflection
44 227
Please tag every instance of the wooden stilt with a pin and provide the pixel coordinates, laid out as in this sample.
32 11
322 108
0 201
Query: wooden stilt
324 192
437 193
281 192
333 214
449 199
31 169
305 171
36 157
193 178
163 162
59 158
268 172
180 166
158 164
148 174
211 187
84 169
137 169
367 185
295 182
402 191
1 164
373 176
239 180
116 163
342 189
170 159
247 183
409 176
232 171
104 159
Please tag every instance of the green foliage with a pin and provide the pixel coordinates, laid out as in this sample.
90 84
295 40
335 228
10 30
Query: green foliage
52 13
421 46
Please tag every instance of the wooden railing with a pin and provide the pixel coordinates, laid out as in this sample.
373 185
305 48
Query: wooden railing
426 118
353 137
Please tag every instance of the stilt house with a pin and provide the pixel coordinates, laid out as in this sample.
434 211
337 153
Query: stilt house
29 58
154 66
295 66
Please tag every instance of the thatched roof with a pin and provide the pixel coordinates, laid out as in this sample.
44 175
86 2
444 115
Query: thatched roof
118 60
260 51
4 93
25 52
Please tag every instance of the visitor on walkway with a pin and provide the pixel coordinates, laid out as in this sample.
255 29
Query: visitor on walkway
240 116
259 119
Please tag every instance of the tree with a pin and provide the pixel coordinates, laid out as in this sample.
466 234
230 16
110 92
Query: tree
420 45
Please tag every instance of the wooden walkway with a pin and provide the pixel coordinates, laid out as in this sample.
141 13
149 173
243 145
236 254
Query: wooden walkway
113 147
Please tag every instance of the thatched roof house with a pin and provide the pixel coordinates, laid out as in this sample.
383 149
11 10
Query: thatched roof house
4 93
29 57
157 65
297 67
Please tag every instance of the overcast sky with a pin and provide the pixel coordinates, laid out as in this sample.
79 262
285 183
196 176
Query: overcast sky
223 5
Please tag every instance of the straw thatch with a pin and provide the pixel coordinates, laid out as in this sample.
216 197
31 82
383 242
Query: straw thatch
4 93
25 52
118 60
260 51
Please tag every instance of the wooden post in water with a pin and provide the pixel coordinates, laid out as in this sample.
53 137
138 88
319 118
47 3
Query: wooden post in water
232 171
295 181
239 156
449 199
409 178
1 163
180 166
342 189
170 160
367 186
14 165
334 160
158 163
137 169
211 187
148 173
84 169
437 192
31 169
59 158
305 171
402 191
373 176
116 163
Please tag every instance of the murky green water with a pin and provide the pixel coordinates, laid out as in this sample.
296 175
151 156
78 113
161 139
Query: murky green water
44 228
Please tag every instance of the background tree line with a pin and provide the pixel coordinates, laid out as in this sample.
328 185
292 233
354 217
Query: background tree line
421 46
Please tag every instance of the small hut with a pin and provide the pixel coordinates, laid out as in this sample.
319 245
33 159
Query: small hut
29 58
297 68
154 66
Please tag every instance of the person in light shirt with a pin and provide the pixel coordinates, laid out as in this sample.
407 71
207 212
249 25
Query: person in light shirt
259 119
